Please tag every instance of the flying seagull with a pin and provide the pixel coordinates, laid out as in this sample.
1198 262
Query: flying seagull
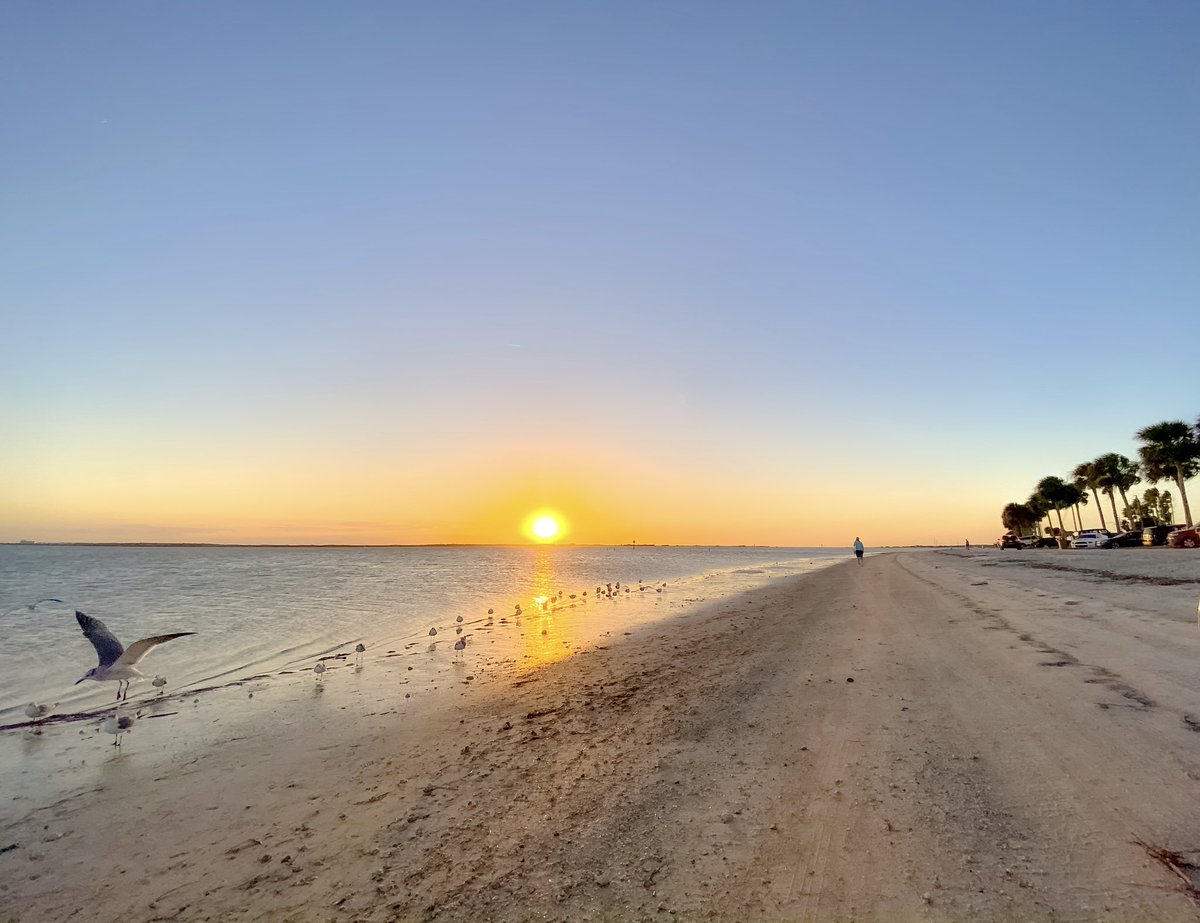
29 607
117 663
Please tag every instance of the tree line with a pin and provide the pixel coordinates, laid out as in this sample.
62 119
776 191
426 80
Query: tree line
1169 451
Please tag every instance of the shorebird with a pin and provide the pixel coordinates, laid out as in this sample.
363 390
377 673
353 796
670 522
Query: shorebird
458 618
35 711
117 663
319 669
158 682
432 632
118 725
459 646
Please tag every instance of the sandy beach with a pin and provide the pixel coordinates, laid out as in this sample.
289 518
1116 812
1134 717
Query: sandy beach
935 735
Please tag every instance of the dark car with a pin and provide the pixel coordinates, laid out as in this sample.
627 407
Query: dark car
1009 541
1156 535
1035 541
1124 540
1187 537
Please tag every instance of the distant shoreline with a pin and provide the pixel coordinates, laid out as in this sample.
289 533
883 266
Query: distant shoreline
31 544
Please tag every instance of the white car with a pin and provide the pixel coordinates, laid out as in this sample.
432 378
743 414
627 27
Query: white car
1091 538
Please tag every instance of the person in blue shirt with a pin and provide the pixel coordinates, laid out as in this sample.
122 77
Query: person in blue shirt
858 549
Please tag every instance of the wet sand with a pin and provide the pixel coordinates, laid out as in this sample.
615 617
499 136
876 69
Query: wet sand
934 735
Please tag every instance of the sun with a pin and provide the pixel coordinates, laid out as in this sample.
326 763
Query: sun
544 526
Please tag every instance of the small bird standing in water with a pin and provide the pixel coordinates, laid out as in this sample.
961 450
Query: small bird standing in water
118 725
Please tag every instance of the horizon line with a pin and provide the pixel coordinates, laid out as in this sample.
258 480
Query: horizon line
26 543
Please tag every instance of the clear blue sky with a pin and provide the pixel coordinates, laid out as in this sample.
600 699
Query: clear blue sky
912 256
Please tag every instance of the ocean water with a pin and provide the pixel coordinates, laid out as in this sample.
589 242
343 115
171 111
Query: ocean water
264 617
274 612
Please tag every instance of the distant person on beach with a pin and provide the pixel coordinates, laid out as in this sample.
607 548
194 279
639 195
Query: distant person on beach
858 549
968 544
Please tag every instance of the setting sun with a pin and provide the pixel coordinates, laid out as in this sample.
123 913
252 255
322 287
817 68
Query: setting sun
544 526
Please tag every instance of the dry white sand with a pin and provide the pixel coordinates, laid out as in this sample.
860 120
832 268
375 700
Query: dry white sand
934 735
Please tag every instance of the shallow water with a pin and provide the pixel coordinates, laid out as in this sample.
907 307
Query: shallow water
262 610
264 617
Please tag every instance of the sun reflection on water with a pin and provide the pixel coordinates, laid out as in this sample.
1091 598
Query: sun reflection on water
550 631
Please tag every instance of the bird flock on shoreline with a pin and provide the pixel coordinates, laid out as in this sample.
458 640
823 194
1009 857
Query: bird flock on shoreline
118 663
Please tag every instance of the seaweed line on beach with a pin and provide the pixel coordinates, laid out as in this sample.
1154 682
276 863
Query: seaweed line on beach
1104 575
1187 872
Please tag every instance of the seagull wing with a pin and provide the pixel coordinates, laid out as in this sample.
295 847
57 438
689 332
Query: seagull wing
139 649
29 607
103 640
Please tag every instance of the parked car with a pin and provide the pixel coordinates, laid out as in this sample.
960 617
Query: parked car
1091 538
1188 537
1156 535
1124 540
1009 541
1037 541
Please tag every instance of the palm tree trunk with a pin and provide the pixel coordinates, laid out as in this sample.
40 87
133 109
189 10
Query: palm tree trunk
1103 524
1062 532
1187 510
1116 519
1125 500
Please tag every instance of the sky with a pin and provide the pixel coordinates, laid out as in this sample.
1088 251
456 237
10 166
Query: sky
681 272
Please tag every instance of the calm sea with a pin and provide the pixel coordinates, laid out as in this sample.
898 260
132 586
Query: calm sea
263 611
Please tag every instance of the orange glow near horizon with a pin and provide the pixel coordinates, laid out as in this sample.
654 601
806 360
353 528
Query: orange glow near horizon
183 492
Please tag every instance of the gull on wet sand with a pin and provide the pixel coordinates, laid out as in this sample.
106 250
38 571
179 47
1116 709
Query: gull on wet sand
35 711
117 662
118 725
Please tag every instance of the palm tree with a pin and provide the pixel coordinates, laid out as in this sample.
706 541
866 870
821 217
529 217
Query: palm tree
1039 507
1150 497
1075 495
1116 472
1057 494
1018 518
1166 509
1086 477
1171 450
1135 513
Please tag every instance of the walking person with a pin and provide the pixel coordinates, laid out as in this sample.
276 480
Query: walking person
858 549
